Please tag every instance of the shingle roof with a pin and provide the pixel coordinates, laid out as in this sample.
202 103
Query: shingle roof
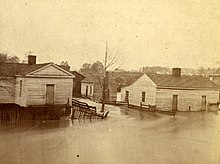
184 81
89 79
125 78
12 69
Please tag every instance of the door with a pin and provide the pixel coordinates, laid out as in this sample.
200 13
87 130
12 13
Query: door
203 105
50 94
127 96
87 90
175 103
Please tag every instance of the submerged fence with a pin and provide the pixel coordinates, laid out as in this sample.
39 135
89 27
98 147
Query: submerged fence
81 110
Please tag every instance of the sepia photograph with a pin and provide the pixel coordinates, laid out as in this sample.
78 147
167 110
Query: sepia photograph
109 82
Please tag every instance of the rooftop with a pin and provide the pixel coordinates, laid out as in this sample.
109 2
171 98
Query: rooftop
184 81
12 69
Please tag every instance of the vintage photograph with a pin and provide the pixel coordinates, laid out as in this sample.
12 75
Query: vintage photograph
109 82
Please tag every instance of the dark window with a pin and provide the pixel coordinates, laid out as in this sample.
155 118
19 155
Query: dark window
143 97
175 103
90 89
126 95
203 106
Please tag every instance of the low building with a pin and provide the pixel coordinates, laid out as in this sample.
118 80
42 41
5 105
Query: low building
77 83
87 88
172 92
34 84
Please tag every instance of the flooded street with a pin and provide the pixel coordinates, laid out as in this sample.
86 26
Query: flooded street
126 136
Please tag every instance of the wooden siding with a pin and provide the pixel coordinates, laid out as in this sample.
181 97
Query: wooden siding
50 70
186 98
21 98
36 90
143 84
7 91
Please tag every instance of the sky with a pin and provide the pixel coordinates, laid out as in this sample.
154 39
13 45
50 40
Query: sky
173 33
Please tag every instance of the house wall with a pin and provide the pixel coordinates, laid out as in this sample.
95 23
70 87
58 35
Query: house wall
21 91
7 91
186 98
77 85
90 89
143 84
35 91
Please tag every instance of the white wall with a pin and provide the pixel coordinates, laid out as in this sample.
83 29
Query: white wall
143 84
186 98
35 91
21 99
118 96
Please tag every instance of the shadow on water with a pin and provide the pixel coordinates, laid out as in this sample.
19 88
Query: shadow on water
29 117
25 119
139 114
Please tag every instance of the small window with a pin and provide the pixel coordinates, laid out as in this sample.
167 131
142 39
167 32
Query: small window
20 91
143 97
126 95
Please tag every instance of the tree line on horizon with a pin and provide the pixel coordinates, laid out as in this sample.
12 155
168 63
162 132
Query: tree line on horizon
98 68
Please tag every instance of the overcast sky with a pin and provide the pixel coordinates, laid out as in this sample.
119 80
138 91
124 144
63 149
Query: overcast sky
174 33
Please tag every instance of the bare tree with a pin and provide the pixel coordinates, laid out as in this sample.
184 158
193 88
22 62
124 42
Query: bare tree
111 62
5 80
100 70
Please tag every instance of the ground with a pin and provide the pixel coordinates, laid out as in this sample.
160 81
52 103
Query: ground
126 136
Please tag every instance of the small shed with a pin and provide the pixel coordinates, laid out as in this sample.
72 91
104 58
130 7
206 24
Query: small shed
34 84
77 83
87 88
172 91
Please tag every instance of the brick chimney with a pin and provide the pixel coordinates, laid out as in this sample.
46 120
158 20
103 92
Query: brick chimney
32 59
176 72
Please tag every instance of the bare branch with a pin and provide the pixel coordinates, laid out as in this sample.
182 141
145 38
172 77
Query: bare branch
116 68
113 61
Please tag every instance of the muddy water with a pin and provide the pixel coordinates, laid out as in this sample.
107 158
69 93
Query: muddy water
127 136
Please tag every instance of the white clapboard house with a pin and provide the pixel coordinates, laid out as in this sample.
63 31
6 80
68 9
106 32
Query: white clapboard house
172 92
34 84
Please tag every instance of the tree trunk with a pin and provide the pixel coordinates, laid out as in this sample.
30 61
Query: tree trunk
103 95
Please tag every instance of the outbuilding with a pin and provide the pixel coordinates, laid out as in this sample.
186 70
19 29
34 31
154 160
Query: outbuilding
87 88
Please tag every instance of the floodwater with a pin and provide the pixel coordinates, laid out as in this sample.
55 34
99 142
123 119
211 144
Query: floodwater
125 137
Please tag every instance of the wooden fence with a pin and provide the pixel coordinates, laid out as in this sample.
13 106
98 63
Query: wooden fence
82 110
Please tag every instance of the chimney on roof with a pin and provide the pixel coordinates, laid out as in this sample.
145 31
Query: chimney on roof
32 59
176 72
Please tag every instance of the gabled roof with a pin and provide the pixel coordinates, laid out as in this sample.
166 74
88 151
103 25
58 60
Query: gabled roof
15 69
88 79
12 69
184 81
125 78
